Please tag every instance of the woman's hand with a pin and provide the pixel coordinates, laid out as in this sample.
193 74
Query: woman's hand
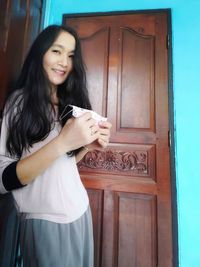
104 136
78 132
98 144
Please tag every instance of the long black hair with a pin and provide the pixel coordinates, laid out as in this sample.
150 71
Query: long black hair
30 107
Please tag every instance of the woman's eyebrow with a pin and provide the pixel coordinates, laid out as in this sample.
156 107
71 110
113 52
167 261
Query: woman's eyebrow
62 47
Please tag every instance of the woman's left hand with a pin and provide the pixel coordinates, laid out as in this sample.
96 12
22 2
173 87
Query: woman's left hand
98 144
104 136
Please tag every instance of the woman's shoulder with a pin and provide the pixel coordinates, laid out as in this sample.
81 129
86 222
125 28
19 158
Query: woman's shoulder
14 99
14 95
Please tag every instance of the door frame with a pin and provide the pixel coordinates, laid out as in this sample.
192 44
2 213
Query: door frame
172 139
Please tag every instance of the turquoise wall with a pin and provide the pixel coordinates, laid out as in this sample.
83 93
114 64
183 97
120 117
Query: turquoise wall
186 74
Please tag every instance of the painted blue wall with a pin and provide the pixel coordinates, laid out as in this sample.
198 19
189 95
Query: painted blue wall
186 74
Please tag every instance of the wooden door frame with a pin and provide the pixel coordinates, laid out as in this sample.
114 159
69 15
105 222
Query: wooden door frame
171 110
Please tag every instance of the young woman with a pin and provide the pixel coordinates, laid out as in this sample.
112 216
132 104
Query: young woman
39 150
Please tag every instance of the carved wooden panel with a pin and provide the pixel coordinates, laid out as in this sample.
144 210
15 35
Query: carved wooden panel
134 160
96 203
136 81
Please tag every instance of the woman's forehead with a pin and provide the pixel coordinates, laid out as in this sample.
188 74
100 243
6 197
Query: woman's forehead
65 41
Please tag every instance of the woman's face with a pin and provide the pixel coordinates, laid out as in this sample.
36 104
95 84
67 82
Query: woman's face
58 60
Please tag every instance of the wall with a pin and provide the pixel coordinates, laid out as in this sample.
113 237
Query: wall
186 71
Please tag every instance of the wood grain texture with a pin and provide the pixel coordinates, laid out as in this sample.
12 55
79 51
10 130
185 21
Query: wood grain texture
127 66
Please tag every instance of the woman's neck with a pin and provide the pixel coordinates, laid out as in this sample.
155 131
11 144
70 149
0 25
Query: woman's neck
54 97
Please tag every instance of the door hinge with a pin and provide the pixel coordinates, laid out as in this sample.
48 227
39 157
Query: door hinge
167 41
169 138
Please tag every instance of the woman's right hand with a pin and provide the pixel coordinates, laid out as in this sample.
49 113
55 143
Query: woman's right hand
78 132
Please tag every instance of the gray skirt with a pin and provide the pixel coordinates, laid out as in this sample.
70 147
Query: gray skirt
48 244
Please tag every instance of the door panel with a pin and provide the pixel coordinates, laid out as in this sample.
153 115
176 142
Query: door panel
97 69
136 229
96 200
20 22
136 72
127 70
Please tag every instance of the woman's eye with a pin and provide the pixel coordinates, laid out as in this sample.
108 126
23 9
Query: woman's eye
56 51
71 55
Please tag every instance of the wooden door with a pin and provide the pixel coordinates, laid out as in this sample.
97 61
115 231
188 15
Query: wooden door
129 183
20 22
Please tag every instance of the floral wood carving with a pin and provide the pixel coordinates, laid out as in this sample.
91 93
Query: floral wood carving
116 161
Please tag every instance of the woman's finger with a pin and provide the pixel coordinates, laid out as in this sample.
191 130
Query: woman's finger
105 124
103 143
104 131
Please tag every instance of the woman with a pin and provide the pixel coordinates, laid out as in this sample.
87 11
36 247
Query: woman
39 150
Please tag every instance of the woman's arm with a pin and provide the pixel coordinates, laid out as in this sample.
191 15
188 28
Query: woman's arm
81 153
29 168
75 133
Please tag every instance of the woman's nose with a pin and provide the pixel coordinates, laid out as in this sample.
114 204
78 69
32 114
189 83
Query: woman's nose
64 61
